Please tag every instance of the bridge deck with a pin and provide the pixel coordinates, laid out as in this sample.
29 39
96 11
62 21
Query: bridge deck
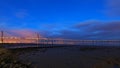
29 45
34 45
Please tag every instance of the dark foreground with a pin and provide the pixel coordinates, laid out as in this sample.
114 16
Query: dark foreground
71 57
10 60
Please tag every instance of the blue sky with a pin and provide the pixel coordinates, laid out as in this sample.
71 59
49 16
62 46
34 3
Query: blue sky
54 17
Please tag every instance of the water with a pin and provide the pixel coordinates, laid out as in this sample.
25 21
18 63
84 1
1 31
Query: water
68 57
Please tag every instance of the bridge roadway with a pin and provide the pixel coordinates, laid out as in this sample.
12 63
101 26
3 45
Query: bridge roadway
30 45
16 42
61 43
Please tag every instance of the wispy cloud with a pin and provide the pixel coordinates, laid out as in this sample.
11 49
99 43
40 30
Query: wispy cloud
92 30
83 30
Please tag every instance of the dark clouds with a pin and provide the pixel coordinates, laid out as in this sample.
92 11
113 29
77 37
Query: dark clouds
92 30
89 30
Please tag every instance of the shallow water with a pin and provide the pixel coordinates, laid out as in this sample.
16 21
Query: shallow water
69 57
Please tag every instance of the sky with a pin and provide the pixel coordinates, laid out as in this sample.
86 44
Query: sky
69 19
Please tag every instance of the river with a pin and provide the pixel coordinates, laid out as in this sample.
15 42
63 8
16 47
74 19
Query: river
70 57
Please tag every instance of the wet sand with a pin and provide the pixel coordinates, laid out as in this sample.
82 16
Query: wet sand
72 57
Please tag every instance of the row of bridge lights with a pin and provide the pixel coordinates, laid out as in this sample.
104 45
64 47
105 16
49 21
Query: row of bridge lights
54 40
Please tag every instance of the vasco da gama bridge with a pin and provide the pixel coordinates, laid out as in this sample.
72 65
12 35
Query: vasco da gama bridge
38 41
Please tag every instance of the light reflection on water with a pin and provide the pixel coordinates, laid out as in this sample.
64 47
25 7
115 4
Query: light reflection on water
67 57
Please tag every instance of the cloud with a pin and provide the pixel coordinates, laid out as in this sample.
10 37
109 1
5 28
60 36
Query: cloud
92 30
89 30
113 7
2 25
21 13
4 22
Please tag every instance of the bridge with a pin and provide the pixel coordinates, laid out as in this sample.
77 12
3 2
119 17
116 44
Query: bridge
10 41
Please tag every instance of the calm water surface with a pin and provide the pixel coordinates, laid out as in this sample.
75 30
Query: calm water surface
68 57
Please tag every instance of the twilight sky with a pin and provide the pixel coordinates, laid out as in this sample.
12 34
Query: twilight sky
71 19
